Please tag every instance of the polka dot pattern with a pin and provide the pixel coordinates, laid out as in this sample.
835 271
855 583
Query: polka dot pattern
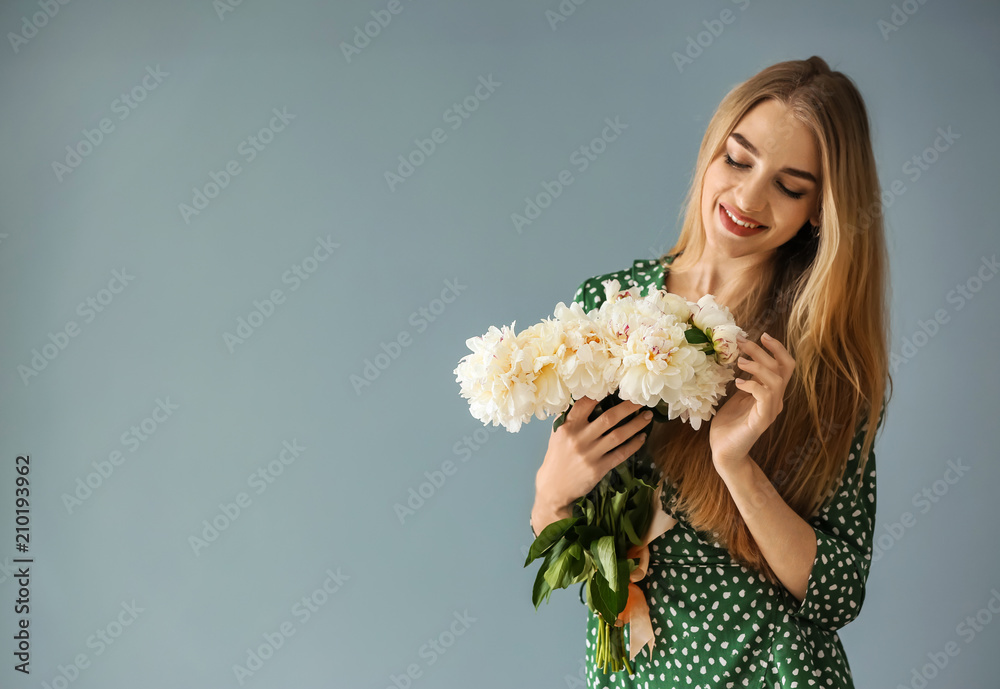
721 625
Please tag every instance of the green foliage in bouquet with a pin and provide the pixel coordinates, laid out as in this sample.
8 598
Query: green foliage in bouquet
590 547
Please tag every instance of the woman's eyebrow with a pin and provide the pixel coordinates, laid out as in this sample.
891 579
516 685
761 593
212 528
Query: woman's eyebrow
742 141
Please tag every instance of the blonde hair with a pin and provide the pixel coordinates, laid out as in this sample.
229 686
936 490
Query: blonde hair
824 296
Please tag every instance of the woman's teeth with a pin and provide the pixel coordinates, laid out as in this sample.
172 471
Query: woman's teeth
740 222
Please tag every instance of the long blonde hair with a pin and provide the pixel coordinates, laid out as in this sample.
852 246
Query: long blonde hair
824 296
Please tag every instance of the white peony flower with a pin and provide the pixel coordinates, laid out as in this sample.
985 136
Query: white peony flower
613 291
587 368
725 342
656 360
670 303
708 314
497 379
544 348
704 391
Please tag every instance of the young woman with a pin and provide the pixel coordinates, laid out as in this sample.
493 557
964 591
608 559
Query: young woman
775 497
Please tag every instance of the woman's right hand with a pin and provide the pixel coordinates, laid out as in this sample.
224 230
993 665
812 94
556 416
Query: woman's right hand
581 452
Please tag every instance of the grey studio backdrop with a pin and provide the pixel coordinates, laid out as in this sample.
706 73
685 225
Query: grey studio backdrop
243 245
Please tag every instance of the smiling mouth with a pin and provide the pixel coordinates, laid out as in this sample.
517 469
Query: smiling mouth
741 223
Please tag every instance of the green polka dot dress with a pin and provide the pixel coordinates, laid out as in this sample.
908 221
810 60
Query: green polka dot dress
719 624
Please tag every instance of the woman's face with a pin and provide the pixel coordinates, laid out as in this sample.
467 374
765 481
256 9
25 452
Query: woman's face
768 174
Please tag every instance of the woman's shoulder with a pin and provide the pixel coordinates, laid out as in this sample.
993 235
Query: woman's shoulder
642 273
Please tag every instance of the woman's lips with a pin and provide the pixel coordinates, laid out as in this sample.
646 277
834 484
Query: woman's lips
736 229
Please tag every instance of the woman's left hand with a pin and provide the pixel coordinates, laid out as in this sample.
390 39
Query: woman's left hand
756 403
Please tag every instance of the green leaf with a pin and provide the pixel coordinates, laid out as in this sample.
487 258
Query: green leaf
559 573
550 535
696 335
604 554
601 598
610 602
591 588
541 590
586 534
617 503
629 530
582 567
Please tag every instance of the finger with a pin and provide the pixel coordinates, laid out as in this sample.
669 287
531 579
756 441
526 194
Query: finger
751 348
610 418
780 352
768 404
751 387
759 354
622 435
581 409
767 371
774 348
619 454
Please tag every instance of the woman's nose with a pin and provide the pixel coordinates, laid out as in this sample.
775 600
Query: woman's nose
750 195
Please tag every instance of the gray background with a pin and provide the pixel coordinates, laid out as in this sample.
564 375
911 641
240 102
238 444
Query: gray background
403 580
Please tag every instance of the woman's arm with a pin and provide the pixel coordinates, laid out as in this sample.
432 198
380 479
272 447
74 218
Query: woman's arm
786 540
544 513
842 537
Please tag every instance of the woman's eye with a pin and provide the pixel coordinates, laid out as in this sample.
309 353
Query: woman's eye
732 162
784 190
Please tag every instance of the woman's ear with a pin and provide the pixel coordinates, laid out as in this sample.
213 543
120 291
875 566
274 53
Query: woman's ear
816 218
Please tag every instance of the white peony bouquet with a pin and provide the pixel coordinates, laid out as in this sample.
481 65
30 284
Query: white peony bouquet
661 351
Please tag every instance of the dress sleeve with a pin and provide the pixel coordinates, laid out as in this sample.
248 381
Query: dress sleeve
844 534
585 295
